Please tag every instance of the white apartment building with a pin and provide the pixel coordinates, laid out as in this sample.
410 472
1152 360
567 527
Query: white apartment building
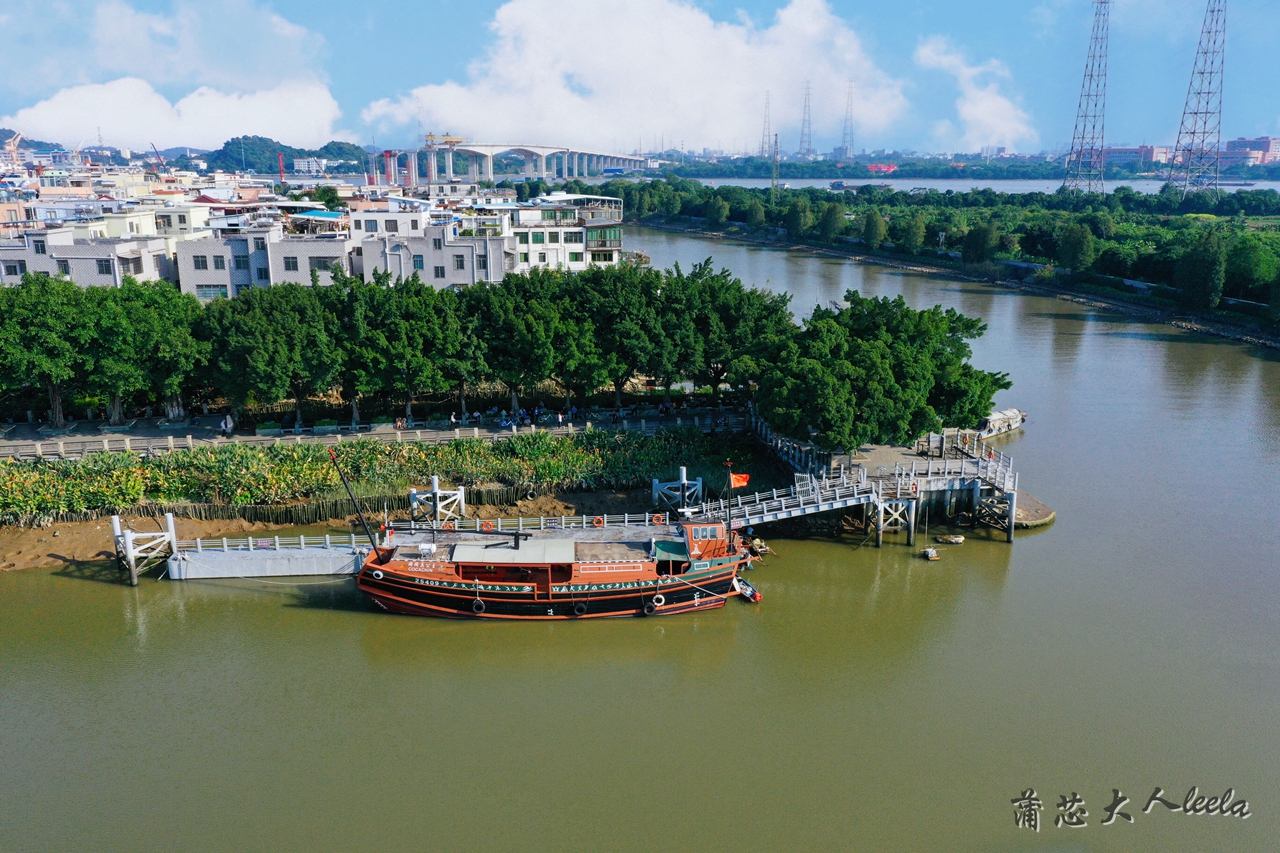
103 262
258 256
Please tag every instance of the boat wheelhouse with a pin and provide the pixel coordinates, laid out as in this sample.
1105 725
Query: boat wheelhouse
593 573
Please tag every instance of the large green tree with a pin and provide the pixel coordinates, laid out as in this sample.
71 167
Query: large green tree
1251 266
1200 271
271 343
1076 247
877 371
621 304
740 327
874 229
799 218
359 314
143 341
46 333
832 224
520 321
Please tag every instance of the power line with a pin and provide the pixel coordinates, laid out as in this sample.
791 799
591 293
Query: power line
1086 162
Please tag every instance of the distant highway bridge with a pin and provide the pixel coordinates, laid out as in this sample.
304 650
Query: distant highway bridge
540 161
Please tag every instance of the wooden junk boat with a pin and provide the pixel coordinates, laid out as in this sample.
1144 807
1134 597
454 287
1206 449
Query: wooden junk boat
582 574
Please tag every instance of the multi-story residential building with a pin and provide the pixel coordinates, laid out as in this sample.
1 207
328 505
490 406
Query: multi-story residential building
1142 154
101 261
258 256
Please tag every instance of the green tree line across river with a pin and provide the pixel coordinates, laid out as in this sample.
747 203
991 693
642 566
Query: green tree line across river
877 370
1204 246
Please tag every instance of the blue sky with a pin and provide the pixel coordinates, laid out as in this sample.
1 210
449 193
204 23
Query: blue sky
613 74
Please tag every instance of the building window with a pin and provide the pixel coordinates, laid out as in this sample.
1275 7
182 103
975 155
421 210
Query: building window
549 214
539 237
575 257
371 225
413 225
542 257
438 272
290 264
482 262
165 221
38 246
64 268
264 274
104 266
393 225
13 268
259 244
553 236
182 220
437 243
459 262
321 264
417 262
524 257
205 292
219 262
200 262
523 237
133 265
602 257
573 236
359 226
242 262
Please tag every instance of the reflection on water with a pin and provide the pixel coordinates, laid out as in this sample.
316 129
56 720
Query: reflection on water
872 701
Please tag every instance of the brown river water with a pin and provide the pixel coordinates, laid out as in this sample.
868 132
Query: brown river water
873 701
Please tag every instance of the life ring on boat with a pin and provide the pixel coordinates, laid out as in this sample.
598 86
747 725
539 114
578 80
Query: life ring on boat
964 439
650 609
598 521
580 609
991 454
477 606
377 574
486 526
658 600
657 518
448 525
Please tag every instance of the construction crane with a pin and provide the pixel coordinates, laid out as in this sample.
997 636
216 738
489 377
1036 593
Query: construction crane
159 156
11 148
448 140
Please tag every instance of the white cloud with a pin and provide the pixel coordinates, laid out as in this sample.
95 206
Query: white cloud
236 44
133 114
987 116
604 75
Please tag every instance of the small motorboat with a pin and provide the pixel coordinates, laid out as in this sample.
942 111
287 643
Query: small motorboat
930 554
758 547
747 591
953 539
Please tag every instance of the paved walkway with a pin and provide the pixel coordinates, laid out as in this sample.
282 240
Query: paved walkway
146 436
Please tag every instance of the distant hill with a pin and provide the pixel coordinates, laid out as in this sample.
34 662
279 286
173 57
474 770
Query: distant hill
258 153
181 151
36 144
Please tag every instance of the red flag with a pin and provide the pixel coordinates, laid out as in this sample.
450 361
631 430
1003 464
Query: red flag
737 481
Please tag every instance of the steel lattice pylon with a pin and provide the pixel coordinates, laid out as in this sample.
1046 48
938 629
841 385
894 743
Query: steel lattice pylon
766 138
1195 158
846 139
1086 162
806 126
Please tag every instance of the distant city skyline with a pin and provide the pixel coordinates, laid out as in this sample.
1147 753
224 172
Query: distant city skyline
928 76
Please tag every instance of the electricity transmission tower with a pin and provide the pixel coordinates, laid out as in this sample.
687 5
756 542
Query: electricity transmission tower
773 192
1086 162
1195 158
806 126
846 140
765 142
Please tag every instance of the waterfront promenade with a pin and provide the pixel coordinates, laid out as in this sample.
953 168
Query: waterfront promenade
147 437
